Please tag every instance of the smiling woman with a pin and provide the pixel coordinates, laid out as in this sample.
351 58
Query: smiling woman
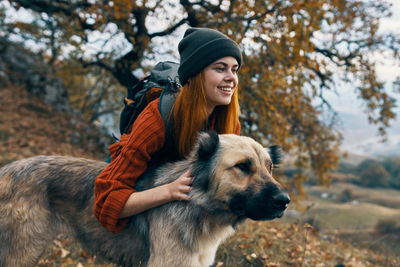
208 100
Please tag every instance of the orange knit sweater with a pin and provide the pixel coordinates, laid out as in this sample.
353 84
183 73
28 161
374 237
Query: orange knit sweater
129 160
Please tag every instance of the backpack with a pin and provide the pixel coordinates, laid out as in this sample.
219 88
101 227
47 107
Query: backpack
162 82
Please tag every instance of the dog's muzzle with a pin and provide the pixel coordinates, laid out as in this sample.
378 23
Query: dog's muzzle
268 204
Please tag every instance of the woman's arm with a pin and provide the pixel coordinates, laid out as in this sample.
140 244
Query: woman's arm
115 184
151 198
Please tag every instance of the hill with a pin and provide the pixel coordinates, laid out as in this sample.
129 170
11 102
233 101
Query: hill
29 127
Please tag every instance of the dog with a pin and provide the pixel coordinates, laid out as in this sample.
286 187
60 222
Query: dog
45 195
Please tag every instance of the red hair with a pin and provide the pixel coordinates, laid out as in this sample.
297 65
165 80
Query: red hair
190 114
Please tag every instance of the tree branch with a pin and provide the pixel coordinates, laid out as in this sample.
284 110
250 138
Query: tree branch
53 6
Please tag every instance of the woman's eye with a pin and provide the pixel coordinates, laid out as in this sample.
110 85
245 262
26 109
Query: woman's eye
220 69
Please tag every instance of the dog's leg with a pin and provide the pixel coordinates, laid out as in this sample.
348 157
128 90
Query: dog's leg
167 249
24 224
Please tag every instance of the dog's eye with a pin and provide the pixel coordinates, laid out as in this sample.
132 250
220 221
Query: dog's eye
244 166
269 167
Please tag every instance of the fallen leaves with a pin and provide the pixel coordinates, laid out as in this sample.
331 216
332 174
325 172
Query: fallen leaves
277 243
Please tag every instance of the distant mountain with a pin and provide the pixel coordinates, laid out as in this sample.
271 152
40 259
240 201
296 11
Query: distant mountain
353 159
362 138
374 147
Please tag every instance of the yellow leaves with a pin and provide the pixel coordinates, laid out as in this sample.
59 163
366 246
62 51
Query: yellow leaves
122 9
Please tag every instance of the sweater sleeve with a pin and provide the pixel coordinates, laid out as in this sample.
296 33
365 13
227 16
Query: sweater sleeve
130 158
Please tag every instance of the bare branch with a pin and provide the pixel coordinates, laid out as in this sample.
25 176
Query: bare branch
68 8
169 30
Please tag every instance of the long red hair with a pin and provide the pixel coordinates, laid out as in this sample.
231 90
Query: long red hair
190 114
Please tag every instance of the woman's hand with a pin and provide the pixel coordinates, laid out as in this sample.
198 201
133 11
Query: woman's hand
180 188
156 196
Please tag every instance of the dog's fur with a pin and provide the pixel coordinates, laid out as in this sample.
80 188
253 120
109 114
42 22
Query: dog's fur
45 195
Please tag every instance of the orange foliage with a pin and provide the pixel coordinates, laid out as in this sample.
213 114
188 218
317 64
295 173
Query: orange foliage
294 51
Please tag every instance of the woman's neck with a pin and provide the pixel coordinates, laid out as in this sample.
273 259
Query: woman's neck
210 110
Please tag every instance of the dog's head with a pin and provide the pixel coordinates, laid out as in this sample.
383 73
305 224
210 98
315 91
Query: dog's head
236 172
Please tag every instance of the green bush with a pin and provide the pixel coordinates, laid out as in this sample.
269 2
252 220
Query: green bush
392 165
346 195
387 226
373 174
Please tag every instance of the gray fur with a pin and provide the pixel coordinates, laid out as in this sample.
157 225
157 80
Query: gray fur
45 195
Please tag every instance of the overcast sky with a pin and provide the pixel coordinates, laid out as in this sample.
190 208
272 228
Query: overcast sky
359 135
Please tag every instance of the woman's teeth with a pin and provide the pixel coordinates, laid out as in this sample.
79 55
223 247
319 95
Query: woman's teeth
226 89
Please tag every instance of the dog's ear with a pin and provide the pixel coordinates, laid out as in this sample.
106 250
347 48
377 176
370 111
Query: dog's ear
208 145
203 168
276 154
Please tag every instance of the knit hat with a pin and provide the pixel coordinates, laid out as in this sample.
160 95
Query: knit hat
202 46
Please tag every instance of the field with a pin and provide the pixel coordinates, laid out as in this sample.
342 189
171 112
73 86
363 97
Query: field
361 212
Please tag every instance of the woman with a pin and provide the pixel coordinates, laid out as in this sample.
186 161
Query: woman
208 100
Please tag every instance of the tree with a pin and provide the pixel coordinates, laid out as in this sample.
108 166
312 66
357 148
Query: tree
294 51
392 166
373 174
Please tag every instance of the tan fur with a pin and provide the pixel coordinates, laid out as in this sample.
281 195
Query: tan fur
43 196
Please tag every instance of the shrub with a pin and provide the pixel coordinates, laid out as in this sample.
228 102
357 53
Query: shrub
346 195
392 165
373 174
387 226
395 181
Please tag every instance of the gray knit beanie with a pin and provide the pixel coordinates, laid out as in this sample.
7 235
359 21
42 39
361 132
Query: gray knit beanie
202 46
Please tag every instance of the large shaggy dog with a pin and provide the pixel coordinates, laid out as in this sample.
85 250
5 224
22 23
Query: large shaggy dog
45 195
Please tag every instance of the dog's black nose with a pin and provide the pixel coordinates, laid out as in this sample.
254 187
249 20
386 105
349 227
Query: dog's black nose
281 201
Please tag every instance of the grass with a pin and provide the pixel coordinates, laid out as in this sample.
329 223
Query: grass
289 244
328 233
383 197
347 216
259 244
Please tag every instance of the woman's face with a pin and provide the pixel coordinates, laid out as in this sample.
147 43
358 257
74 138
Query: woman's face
220 81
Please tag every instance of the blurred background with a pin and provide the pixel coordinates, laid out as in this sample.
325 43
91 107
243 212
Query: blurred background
320 78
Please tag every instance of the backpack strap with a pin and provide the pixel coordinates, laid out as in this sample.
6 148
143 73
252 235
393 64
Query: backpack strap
167 74
167 101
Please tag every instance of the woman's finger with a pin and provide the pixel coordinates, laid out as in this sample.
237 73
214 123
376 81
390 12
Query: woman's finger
185 189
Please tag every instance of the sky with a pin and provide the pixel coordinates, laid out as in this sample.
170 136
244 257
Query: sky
359 136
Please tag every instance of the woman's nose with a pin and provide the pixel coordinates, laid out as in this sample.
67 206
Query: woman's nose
230 75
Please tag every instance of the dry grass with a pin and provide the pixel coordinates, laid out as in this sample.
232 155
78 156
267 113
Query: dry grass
261 244
283 244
